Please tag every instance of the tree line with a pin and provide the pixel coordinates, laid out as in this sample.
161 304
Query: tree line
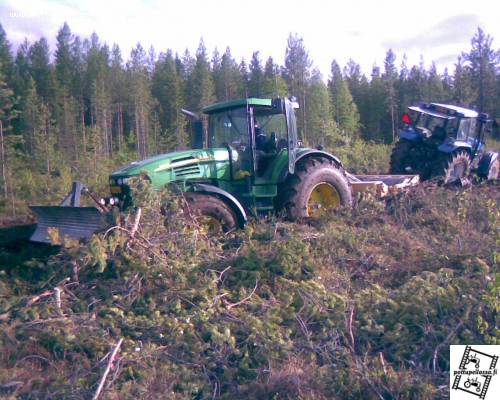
84 103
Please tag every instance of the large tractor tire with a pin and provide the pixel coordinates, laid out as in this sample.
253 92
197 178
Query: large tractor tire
402 158
456 168
317 186
488 169
494 170
211 213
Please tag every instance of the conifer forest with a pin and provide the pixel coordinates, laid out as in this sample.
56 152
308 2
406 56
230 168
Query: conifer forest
361 304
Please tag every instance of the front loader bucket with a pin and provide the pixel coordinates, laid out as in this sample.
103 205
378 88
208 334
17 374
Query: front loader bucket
74 222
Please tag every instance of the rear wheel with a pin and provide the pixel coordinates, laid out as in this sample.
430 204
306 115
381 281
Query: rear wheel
493 170
211 213
402 158
456 168
316 187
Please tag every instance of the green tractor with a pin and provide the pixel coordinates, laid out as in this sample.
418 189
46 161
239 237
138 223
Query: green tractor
248 162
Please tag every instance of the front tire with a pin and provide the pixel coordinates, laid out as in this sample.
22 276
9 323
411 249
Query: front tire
494 170
211 213
317 186
456 168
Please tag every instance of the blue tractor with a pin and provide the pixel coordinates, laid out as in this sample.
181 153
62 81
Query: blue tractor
446 141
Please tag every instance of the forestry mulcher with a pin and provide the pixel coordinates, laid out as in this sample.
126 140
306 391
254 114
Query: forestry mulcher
249 162
444 141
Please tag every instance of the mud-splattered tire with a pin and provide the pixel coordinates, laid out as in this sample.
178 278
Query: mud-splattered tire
212 212
401 157
493 171
456 167
317 185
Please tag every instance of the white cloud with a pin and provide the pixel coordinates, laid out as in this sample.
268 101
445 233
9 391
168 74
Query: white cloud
361 30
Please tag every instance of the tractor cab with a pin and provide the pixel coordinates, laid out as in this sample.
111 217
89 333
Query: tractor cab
439 124
256 133
443 140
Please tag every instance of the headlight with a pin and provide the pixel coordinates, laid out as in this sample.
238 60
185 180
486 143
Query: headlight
122 181
112 181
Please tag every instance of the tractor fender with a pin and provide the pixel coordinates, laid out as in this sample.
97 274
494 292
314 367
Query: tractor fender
227 197
485 163
450 147
308 154
410 135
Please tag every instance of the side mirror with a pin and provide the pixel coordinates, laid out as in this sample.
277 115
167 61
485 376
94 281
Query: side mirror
197 136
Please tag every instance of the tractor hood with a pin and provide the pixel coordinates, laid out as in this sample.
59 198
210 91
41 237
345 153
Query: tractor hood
177 166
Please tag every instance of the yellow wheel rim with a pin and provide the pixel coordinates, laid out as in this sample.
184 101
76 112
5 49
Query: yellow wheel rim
324 197
210 224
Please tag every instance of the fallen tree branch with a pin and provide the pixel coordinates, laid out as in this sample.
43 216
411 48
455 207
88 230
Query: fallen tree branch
351 334
57 296
445 341
135 226
232 305
34 299
108 368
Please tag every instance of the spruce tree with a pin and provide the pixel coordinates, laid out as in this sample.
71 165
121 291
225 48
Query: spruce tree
463 92
274 84
256 76
241 78
434 87
377 96
359 87
297 71
6 60
389 77
200 86
37 135
67 107
141 102
167 90
119 93
322 127
41 70
483 61
225 77
6 115
345 112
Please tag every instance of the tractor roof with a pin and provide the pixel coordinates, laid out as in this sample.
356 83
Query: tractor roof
445 110
237 103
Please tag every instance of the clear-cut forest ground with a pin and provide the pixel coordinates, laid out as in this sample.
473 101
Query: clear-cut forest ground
361 304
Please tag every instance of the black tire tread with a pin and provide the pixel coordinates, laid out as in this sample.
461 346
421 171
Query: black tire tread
289 199
448 164
210 205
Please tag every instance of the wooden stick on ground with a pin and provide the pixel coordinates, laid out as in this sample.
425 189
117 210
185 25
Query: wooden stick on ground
136 222
57 295
108 368
33 300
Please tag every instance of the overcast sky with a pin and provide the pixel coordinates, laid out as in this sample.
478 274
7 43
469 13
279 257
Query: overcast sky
362 30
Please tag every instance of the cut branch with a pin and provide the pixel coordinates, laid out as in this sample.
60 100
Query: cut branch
108 368
232 305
